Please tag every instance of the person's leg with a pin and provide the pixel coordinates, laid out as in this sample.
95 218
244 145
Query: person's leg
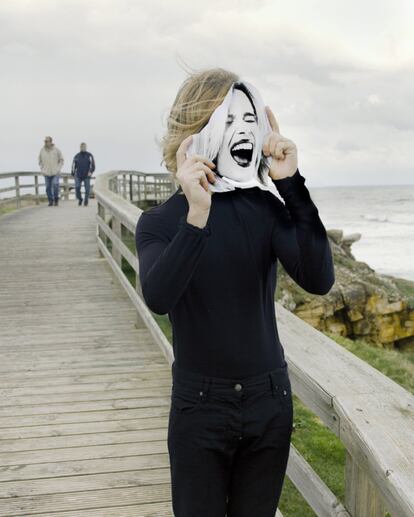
55 188
200 461
78 184
260 463
48 185
87 182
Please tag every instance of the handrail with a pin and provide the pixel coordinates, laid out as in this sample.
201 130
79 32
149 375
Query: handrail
66 187
372 415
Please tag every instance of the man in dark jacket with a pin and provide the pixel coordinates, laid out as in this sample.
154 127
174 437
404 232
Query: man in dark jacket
83 166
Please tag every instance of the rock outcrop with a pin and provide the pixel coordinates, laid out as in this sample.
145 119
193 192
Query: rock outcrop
361 304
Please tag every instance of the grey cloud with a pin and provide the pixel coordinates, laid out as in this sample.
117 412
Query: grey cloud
107 72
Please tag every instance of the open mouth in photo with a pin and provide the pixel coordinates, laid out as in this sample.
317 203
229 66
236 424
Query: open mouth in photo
242 152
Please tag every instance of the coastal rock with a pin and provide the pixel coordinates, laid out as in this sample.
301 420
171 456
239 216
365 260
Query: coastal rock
361 304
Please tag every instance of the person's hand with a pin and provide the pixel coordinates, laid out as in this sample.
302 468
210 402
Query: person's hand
194 174
282 150
89 173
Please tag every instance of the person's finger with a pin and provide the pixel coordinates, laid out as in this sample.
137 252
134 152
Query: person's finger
273 147
272 119
204 182
199 157
280 147
199 166
265 147
211 176
180 154
271 140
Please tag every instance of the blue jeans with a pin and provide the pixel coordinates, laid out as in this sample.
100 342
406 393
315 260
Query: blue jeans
52 187
78 184
229 443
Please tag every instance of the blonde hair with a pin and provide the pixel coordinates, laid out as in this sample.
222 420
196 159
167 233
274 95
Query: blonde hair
199 95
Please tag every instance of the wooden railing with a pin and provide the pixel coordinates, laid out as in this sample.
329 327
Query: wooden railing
372 415
22 182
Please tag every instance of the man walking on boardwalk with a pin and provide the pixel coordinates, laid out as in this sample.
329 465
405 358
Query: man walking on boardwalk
51 163
83 166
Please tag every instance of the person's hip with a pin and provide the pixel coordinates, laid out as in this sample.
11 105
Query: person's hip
198 388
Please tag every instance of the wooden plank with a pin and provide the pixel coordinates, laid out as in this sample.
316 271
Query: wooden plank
87 499
82 440
74 407
48 470
63 454
102 481
142 510
85 416
87 396
37 431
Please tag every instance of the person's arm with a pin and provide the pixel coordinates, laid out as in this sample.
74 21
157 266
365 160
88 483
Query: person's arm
60 161
74 165
92 165
299 238
166 266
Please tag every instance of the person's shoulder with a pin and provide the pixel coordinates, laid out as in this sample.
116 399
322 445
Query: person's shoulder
163 218
275 207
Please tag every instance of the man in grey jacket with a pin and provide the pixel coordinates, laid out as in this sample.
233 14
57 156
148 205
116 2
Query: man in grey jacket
51 162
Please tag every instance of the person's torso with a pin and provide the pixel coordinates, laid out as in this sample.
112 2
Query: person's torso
224 323
50 160
83 163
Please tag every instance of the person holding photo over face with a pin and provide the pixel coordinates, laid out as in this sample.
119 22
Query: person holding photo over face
208 258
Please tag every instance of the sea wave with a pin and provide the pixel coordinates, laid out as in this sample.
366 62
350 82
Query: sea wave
404 219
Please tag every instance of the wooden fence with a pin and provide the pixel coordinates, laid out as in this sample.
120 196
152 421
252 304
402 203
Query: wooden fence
33 181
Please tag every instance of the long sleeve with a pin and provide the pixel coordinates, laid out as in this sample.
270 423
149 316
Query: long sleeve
74 165
299 238
60 161
166 266
92 167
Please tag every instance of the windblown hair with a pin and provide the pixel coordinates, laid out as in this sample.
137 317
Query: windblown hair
199 95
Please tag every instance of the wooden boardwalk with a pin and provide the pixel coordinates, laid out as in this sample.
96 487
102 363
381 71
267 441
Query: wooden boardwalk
84 392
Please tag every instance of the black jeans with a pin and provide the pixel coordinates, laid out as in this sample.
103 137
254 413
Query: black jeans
228 443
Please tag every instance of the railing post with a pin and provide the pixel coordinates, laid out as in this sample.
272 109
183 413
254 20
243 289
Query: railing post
99 232
117 229
65 187
36 179
17 190
362 499
124 186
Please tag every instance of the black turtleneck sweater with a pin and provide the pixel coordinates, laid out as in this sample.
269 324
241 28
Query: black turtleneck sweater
217 283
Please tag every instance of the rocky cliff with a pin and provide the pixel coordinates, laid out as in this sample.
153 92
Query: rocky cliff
361 304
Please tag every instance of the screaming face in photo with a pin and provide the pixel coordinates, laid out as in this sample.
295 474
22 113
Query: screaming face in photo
239 155
233 139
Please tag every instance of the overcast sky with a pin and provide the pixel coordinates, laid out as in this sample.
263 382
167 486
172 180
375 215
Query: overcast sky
339 77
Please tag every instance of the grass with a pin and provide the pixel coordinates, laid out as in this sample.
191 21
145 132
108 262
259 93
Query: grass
311 437
25 201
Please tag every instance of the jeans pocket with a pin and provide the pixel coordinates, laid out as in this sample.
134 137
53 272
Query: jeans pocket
186 400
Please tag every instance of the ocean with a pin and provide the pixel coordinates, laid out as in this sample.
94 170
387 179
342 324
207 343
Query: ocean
384 215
